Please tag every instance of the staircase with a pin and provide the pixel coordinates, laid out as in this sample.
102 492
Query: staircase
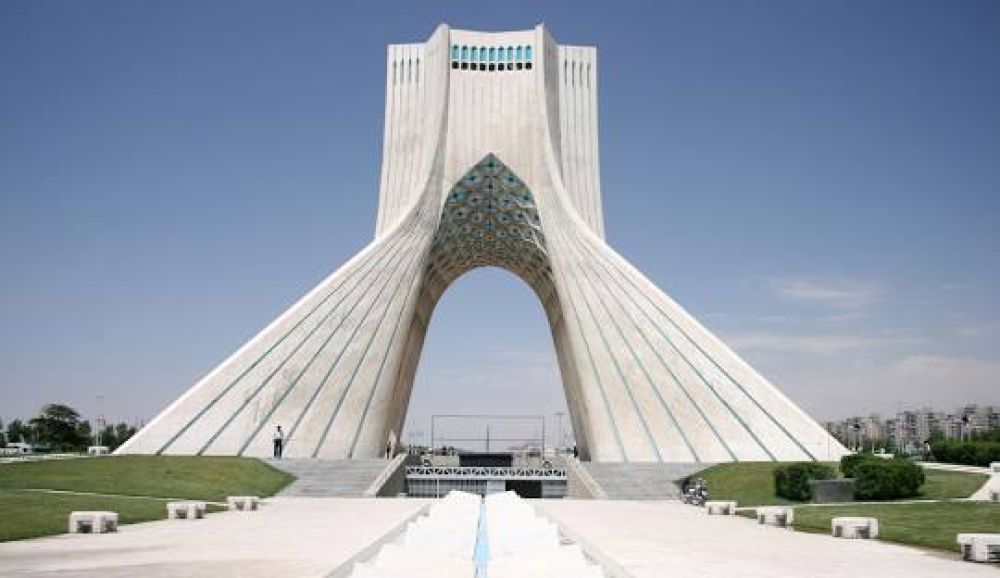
645 481
329 478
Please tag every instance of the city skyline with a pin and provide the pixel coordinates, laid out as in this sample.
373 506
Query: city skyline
838 229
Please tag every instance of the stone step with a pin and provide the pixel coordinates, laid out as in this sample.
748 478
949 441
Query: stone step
630 481
329 478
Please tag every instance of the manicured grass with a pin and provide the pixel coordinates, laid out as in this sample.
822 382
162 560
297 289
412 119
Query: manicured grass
749 483
28 514
752 483
195 477
31 514
943 485
930 525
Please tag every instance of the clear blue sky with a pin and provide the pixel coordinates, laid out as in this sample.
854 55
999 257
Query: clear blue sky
818 181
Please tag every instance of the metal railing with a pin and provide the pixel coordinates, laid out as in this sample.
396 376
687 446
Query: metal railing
485 473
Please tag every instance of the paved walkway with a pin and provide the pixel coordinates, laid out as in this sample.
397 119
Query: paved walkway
313 536
287 537
662 539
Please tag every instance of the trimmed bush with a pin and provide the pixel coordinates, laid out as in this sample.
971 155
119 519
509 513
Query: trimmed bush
880 479
850 462
792 481
972 453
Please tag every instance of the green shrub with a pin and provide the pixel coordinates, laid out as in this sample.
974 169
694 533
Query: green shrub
972 453
850 462
792 481
880 479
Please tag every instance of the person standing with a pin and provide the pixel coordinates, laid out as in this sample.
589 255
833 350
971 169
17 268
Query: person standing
279 442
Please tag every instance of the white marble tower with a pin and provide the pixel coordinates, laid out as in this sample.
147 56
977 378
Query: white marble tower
490 159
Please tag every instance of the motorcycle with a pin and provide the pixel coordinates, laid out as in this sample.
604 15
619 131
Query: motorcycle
697 494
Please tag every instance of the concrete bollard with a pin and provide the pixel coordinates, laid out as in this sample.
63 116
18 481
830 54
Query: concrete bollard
852 527
780 516
720 507
93 522
242 503
185 510
979 547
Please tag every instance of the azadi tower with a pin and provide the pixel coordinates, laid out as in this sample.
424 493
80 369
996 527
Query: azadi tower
490 159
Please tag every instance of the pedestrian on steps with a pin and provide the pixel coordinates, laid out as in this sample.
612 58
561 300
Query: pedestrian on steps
279 442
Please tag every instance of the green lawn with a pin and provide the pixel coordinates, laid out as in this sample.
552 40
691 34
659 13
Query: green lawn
31 514
195 477
749 483
28 514
752 483
930 525
942 485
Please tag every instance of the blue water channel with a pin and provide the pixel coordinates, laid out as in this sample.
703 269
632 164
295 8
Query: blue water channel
481 554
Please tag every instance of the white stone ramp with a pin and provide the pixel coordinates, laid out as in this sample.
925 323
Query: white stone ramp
288 537
438 545
523 544
663 539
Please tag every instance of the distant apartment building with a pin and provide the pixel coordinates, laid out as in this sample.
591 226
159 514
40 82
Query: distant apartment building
907 431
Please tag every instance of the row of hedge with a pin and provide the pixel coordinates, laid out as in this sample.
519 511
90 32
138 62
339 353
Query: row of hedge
874 478
972 453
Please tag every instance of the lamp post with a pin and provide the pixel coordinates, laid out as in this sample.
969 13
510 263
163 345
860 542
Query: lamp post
559 430
100 417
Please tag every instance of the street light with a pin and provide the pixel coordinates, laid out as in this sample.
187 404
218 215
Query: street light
559 430
100 417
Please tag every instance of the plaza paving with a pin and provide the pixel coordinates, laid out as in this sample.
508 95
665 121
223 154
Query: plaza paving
660 539
314 536
287 537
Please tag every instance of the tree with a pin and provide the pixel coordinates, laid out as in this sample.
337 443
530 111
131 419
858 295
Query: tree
60 428
115 435
18 432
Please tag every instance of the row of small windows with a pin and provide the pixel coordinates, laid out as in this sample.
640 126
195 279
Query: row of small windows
491 57
405 71
574 73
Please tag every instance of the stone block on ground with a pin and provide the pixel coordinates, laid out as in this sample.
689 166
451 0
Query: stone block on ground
979 547
832 491
854 527
98 451
243 503
780 516
720 507
93 522
185 510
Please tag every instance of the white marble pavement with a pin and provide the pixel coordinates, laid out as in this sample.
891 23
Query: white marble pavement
659 539
316 536
286 537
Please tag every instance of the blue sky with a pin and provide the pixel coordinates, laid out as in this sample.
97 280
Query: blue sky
817 181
